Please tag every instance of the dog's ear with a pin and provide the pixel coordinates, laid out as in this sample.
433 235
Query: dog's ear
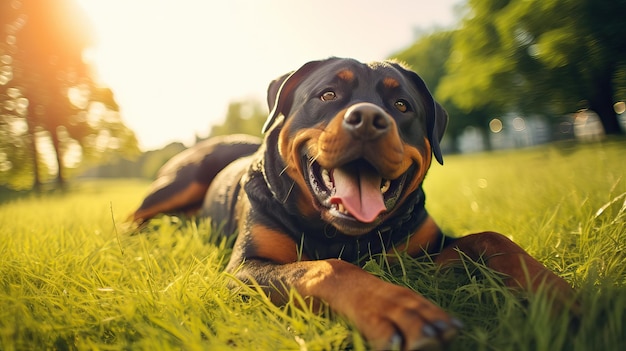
437 130
280 91
272 90
437 118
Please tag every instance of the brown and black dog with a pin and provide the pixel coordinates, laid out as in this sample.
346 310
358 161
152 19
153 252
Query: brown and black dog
338 178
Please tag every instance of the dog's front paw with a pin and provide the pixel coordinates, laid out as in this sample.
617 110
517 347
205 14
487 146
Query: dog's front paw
394 317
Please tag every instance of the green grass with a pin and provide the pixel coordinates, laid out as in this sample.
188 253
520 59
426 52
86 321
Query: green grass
72 279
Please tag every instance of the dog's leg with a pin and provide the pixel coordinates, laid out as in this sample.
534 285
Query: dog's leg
385 313
504 256
157 203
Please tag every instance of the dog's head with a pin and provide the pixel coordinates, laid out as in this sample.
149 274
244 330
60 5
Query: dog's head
356 138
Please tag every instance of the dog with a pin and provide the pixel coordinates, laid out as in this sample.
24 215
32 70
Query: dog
337 178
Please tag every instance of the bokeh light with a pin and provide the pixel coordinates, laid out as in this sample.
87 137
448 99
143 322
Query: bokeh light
495 125
619 107
519 124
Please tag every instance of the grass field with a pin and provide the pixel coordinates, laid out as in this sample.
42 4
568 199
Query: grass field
72 279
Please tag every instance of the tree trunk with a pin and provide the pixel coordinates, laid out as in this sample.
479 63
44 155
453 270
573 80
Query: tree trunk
35 158
602 102
33 148
56 144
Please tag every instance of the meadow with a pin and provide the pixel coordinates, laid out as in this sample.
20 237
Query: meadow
73 278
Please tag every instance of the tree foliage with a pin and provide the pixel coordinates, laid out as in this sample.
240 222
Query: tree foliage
53 114
244 117
539 56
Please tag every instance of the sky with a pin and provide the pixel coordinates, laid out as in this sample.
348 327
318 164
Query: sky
174 65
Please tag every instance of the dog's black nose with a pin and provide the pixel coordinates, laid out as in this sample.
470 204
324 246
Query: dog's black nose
366 121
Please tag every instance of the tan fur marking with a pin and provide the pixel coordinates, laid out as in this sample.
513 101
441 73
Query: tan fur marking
390 83
421 240
289 149
346 75
422 159
273 245
192 193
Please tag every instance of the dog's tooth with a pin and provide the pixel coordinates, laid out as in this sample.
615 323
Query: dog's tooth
341 208
326 178
385 186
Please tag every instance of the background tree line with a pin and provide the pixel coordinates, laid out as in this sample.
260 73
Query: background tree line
244 116
531 57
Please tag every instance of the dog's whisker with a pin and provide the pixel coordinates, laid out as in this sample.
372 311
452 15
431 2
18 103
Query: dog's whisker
283 171
311 158
293 184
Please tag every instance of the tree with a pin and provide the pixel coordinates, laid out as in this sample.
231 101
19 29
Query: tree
539 56
49 90
245 117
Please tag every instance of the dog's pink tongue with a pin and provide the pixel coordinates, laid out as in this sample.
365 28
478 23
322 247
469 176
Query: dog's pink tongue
358 189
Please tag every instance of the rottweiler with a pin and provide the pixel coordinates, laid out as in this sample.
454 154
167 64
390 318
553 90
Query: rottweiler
336 179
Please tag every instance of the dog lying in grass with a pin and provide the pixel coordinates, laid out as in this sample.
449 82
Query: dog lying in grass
337 178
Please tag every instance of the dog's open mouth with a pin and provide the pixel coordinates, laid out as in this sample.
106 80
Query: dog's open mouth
355 191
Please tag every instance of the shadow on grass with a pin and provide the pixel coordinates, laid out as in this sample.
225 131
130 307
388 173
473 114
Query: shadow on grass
7 195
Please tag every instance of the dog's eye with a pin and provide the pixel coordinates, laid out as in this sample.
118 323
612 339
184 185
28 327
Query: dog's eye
401 105
328 95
